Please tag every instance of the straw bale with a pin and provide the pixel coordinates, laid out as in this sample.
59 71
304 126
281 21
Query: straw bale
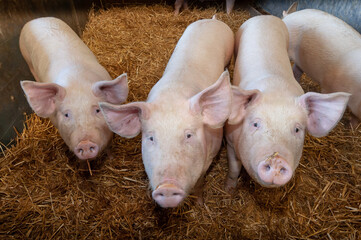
45 193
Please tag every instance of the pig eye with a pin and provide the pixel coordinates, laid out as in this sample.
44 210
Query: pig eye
188 134
66 115
149 137
256 123
97 110
297 130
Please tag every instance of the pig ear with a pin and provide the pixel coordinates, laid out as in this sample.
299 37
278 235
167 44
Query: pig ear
113 91
241 100
124 120
214 102
42 96
324 111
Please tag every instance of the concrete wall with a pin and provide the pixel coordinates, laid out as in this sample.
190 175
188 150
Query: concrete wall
347 10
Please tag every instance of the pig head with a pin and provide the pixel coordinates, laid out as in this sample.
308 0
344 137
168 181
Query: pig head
74 110
266 132
180 136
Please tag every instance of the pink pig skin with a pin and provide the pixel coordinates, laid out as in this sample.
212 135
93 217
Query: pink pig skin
182 119
329 51
266 129
70 83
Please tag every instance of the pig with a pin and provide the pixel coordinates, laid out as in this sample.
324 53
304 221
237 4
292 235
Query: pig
182 119
178 4
69 84
329 51
270 112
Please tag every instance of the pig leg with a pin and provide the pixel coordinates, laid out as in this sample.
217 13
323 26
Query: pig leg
229 5
185 5
297 72
234 168
109 154
198 190
178 4
354 121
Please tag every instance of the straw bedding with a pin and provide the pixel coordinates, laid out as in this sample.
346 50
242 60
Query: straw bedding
45 193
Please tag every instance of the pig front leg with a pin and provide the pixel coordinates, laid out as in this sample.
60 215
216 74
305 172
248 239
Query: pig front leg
198 190
354 121
229 5
234 168
109 153
297 72
178 4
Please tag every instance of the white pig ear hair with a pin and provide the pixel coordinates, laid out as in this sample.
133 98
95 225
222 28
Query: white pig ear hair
241 100
42 96
125 120
214 102
324 111
113 91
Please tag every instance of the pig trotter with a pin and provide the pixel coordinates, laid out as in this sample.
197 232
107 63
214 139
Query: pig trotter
109 154
229 5
178 5
234 168
230 185
354 121
198 190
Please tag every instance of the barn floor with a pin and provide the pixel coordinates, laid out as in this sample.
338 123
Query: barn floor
46 194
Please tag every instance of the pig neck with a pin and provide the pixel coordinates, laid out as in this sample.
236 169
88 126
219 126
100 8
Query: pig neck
270 73
179 84
75 75
195 63
274 85
262 62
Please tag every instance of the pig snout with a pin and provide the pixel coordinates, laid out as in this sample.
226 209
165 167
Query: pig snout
274 171
86 150
168 195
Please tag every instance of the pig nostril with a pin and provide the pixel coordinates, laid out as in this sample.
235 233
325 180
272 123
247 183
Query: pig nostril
176 194
92 149
283 170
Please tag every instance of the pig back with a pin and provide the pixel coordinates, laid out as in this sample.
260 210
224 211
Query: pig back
50 46
199 57
318 41
262 60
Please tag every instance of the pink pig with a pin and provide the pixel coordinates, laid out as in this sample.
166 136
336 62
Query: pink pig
70 83
182 119
329 51
266 129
